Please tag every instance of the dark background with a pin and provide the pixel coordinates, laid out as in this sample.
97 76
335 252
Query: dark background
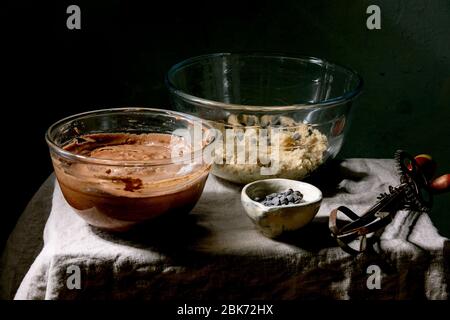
124 48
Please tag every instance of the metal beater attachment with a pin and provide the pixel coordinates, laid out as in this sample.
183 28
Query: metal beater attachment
415 193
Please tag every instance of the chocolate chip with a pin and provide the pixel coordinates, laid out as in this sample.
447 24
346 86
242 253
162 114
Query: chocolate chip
298 193
281 198
276 201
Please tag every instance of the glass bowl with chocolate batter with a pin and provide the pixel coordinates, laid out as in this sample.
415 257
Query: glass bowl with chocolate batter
119 167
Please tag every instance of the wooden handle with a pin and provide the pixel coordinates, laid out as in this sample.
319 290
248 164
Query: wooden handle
441 184
427 165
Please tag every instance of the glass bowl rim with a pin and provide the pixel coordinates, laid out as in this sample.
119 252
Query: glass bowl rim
255 108
193 155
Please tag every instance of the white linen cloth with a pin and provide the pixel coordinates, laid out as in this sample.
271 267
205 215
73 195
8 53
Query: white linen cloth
216 253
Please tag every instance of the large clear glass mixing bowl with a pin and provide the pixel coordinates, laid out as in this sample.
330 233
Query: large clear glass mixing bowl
292 112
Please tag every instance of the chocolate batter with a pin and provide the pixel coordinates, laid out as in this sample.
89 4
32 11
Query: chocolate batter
116 197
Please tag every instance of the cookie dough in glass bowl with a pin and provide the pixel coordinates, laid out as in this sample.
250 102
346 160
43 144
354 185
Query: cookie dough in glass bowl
276 116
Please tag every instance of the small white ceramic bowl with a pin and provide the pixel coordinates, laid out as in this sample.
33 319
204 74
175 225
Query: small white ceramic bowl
273 221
